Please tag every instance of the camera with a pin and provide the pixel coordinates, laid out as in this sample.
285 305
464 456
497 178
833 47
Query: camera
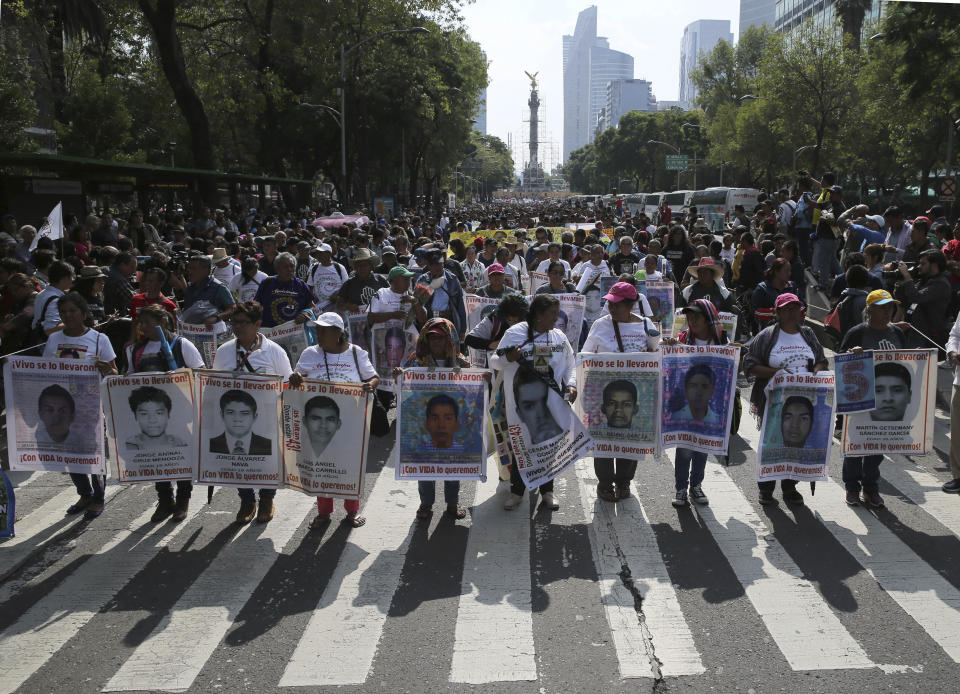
893 276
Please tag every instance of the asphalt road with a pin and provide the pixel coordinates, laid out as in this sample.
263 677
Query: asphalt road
732 597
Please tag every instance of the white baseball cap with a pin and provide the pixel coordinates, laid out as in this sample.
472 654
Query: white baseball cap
328 320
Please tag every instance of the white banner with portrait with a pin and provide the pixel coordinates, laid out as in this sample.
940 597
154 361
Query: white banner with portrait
546 435
660 297
570 320
326 434
356 323
206 338
537 280
699 382
238 429
54 419
292 337
619 402
797 430
905 387
441 429
392 343
478 308
150 423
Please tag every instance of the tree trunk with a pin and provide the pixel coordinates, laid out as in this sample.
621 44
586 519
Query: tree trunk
269 161
162 20
58 74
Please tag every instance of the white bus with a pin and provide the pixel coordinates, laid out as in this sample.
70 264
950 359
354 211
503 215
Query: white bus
716 205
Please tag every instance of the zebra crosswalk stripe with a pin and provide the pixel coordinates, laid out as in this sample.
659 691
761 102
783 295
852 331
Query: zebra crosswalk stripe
923 489
172 656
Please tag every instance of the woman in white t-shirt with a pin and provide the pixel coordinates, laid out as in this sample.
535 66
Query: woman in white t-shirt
530 340
334 359
251 352
621 330
786 345
147 355
77 340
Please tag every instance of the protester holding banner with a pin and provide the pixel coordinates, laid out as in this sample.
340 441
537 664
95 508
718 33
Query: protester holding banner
251 352
876 332
545 353
335 360
394 302
437 345
160 350
77 340
496 286
703 328
619 331
284 296
789 346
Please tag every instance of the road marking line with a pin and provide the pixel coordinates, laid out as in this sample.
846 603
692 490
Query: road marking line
494 633
626 525
42 525
923 489
808 633
43 629
172 656
912 583
340 641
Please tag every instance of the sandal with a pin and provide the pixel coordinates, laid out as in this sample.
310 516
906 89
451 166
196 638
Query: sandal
354 520
424 512
456 511
606 494
320 521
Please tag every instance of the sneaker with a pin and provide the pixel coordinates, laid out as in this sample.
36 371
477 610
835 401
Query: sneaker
183 505
248 509
550 501
766 498
81 504
512 502
853 498
696 493
94 509
793 497
951 487
165 509
265 511
680 500
872 499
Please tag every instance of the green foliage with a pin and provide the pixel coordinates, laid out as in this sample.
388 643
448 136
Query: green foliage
17 109
99 122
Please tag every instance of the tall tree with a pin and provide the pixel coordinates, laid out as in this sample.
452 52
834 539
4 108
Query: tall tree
851 14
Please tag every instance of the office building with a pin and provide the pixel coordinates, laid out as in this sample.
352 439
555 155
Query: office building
756 13
480 119
588 65
699 38
624 96
790 14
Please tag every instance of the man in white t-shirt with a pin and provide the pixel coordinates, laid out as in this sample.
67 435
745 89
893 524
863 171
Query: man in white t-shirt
244 286
326 278
225 268
554 249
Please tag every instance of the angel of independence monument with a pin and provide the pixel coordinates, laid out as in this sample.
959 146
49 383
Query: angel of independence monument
533 178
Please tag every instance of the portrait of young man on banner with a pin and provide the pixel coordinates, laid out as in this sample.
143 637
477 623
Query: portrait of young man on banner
904 384
150 424
441 432
54 417
698 384
325 436
392 342
620 402
797 429
237 428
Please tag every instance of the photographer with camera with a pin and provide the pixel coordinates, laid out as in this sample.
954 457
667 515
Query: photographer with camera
202 287
925 299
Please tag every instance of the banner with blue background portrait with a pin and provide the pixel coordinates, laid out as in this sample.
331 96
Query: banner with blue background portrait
698 389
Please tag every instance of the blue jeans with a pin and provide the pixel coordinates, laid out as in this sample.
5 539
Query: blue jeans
825 261
862 472
89 485
248 494
688 468
428 491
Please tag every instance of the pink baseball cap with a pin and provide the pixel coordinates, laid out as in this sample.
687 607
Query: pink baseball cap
786 300
621 291
495 267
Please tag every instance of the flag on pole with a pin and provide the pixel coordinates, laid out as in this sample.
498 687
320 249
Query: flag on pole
52 228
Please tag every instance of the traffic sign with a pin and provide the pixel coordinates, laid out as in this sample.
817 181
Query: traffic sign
948 187
678 162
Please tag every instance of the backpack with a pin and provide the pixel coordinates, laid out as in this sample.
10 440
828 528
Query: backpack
38 335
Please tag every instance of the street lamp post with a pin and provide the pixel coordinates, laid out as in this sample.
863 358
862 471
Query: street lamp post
343 94
675 149
699 127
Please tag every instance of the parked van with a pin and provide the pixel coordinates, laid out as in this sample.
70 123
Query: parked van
716 205
651 203
678 201
633 203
